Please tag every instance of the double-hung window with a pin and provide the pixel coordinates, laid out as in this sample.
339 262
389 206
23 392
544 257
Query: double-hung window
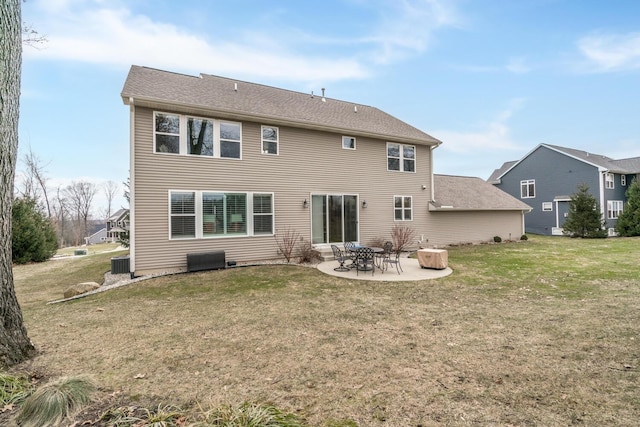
270 140
196 136
623 180
183 214
206 214
401 157
614 208
167 133
528 189
403 208
608 181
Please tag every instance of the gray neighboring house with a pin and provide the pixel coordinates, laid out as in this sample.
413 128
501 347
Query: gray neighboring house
219 164
99 236
546 177
117 224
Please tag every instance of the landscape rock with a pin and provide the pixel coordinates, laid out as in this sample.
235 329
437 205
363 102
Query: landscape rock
80 288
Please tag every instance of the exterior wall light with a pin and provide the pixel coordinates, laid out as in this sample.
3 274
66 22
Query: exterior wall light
305 204
364 204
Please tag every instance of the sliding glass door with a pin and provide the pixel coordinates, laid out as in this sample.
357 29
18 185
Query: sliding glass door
334 218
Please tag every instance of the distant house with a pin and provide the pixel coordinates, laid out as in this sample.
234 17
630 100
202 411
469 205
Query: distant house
219 164
546 177
99 236
117 224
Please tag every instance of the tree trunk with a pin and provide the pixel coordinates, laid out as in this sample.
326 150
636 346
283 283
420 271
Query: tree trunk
15 345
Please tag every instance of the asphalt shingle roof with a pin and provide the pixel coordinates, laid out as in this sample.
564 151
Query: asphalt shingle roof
221 95
471 193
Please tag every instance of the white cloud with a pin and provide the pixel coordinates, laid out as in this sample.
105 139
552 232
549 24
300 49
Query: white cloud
610 52
104 33
517 65
489 136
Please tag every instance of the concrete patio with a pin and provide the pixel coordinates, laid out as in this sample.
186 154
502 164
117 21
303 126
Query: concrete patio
412 272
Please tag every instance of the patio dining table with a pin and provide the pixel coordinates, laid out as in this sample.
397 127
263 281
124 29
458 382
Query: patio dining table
375 249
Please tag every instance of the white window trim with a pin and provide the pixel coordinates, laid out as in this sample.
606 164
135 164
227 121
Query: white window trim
528 182
609 181
184 143
401 158
350 137
402 209
262 140
547 206
199 235
614 208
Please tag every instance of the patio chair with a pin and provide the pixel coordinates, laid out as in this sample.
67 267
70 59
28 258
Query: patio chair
365 260
340 257
350 252
393 258
386 251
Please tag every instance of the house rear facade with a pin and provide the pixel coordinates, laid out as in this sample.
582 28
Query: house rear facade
546 177
222 164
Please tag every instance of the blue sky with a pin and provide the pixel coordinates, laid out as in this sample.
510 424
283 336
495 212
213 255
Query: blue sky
490 78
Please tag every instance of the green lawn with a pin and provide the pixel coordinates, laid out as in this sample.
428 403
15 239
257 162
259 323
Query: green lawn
541 332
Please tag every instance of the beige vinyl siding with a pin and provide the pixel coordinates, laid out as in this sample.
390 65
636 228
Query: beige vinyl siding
473 226
309 162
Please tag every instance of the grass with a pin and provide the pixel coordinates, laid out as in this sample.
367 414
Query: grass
542 332
91 249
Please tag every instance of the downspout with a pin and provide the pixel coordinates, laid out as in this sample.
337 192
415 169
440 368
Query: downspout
602 207
433 185
132 186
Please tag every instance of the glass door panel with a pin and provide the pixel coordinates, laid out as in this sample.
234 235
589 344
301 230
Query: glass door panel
318 219
334 218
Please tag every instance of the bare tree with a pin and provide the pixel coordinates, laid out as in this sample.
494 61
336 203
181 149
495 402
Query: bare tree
110 188
15 345
79 195
36 175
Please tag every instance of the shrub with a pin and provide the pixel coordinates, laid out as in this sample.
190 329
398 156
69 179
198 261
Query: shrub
524 237
497 239
585 219
55 402
307 252
286 241
377 242
401 236
13 389
34 237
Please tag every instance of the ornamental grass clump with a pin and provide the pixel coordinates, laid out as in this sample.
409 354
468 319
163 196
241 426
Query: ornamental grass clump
249 415
51 404
13 389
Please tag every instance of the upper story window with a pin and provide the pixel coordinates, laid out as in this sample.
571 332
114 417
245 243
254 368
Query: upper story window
401 157
608 180
270 140
614 208
186 135
167 133
528 189
199 136
547 206
403 208
623 180
348 143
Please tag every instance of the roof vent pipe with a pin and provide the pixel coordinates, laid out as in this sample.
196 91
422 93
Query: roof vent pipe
311 94
323 99
235 87
355 108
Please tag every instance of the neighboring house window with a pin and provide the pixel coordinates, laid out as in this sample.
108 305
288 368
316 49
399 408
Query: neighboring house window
262 214
167 133
202 214
403 208
348 143
269 140
401 157
528 189
614 208
185 135
623 180
183 215
199 136
547 206
608 180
